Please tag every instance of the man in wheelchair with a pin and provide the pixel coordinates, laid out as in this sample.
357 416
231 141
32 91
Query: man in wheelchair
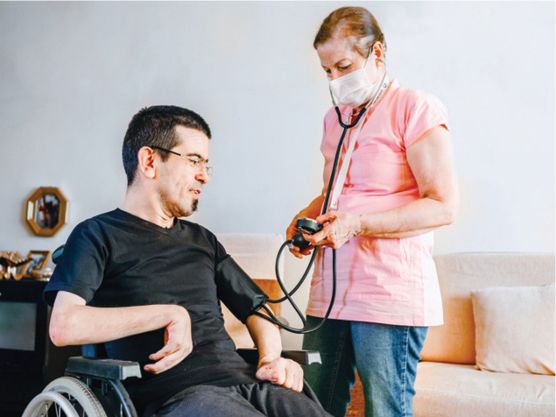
147 285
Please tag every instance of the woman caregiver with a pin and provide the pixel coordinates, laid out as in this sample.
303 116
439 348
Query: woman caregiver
399 186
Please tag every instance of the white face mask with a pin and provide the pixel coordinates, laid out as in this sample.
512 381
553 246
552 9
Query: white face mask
353 89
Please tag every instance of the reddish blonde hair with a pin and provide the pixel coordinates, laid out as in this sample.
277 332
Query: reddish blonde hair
355 22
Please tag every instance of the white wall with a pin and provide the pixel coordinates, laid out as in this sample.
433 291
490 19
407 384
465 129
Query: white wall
73 74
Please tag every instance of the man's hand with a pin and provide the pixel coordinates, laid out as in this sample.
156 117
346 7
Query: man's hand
338 228
281 371
177 343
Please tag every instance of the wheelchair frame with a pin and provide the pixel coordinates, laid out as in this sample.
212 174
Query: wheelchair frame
93 387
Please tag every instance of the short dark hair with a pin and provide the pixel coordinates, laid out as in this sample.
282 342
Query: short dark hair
155 126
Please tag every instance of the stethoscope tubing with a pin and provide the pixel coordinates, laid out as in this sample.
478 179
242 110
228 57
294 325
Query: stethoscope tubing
288 294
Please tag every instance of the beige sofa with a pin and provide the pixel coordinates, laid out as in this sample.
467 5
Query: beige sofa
449 384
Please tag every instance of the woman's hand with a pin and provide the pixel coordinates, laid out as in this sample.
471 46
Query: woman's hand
292 230
311 211
338 228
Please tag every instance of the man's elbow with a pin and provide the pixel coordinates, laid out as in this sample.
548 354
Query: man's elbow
57 336
59 329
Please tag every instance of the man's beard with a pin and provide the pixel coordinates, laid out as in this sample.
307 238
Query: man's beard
178 209
192 209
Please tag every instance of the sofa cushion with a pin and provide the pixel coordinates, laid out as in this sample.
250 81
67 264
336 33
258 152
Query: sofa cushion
254 252
450 390
514 329
461 273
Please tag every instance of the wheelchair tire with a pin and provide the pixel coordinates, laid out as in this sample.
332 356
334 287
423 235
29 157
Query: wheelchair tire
63 391
41 405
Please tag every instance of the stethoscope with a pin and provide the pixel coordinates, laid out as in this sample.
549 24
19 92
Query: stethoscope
306 225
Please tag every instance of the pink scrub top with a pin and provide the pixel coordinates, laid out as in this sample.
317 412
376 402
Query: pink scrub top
390 281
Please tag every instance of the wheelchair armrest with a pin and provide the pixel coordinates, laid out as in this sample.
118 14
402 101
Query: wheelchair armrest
103 368
303 357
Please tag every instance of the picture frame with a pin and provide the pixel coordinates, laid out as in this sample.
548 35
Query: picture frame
39 259
12 265
46 211
19 272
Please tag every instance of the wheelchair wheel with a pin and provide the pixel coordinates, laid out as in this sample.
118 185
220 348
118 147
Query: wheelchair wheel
65 396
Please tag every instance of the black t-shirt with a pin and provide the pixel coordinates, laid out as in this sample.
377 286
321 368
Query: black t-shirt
117 259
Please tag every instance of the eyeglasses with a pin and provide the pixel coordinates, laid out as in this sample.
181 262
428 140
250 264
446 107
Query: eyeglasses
194 161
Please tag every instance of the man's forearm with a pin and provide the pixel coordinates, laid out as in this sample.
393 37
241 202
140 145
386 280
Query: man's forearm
72 324
266 337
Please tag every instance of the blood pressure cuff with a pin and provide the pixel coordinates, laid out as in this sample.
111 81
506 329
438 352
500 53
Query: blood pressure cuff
237 290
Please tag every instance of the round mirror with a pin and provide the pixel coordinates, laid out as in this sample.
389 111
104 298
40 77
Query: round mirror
46 211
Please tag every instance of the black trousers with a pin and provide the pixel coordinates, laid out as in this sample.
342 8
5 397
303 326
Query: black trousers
245 400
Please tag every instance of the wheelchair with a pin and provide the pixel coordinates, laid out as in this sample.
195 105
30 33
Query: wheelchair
92 385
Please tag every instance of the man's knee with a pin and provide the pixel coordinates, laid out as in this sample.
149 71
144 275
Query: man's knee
199 401
277 401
